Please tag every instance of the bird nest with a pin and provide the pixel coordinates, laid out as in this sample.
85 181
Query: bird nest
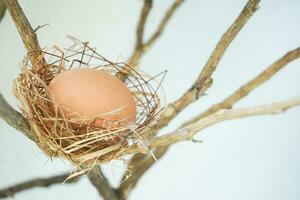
85 145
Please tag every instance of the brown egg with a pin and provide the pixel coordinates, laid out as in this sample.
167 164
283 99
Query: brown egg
85 94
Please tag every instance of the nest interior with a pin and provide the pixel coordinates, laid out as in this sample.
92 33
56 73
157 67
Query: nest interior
84 145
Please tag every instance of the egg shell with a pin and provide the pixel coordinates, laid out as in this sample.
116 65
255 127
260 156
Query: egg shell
84 94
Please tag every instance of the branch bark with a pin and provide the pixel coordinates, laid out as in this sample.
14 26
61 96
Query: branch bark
38 182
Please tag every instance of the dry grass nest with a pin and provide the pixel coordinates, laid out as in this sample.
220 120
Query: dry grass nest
85 145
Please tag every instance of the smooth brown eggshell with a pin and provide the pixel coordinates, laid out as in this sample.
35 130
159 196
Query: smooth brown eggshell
86 94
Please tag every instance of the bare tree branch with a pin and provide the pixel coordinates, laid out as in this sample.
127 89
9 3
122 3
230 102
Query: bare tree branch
14 118
102 185
141 46
25 30
163 143
141 24
2 9
201 84
141 163
251 85
38 182
138 49
170 12
11 116
204 80
187 132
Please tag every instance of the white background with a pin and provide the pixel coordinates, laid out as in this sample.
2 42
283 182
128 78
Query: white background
254 158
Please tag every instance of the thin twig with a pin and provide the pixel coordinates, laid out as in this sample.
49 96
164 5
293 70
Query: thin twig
39 27
138 49
102 185
251 85
38 182
187 132
142 46
141 24
166 18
